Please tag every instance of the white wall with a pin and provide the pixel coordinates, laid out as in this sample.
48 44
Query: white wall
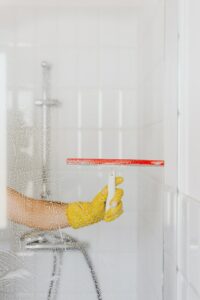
151 146
170 150
93 53
189 205
158 138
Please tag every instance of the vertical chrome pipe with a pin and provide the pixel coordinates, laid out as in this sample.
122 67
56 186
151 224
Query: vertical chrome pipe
45 192
45 102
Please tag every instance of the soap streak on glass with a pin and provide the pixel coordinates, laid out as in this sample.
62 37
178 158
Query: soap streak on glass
12 272
56 241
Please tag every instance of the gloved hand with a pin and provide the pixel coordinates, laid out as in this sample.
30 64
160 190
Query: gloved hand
80 214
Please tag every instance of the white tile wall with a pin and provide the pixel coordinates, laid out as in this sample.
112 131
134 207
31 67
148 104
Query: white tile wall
190 105
128 67
67 27
67 66
8 21
25 66
151 146
90 109
110 109
95 65
188 244
109 67
109 28
188 222
88 67
26 30
45 26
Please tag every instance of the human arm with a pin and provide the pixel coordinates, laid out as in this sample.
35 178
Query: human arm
36 213
51 215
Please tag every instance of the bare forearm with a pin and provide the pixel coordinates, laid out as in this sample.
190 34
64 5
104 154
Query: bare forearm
40 214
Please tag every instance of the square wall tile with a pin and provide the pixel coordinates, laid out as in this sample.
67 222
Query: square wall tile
20 108
67 27
70 183
110 144
23 151
129 144
88 27
88 67
68 66
109 27
129 109
170 222
65 114
25 106
76 275
194 223
7 26
170 279
128 72
130 187
183 235
182 288
25 66
152 93
193 295
46 26
63 144
89 143
11 61
90 108
194 245
152 41
170 152
123 268
128 28
110 108
124 230
109 67
151 141
26 26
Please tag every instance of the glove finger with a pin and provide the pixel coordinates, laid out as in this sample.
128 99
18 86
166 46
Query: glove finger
118 180
117 197
114 213
114 210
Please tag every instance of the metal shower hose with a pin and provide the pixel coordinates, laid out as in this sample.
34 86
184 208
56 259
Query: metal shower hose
58 244
56 272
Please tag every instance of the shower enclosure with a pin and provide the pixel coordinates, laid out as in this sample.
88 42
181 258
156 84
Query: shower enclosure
108 65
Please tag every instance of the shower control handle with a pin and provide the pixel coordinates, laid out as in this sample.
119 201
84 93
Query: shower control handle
48 102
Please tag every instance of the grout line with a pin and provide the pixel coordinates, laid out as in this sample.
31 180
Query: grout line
79 146
100 123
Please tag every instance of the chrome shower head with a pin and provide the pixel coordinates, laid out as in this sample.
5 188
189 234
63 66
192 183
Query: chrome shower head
45 64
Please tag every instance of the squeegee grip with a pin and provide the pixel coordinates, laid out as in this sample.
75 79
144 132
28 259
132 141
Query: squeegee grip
111 189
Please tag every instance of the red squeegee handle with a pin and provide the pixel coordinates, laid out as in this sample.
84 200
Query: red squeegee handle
115 161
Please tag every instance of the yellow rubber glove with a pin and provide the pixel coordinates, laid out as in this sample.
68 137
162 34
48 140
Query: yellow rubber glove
80 214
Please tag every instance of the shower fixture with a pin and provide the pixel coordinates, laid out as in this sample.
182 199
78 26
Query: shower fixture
58 243
45 102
